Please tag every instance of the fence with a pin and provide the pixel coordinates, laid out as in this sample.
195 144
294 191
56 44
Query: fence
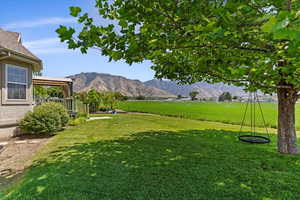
81 107
72 105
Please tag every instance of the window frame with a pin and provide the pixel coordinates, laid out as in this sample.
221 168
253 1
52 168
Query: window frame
17 83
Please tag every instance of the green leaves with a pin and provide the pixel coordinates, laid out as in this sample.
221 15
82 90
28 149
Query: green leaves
74 11
287 34
199 40
282 26
123 23
274 24
269 26
65 33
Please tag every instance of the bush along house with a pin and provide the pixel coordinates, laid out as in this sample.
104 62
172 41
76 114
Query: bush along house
17 65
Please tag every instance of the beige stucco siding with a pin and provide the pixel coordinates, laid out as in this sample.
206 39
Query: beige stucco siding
10 114
13 110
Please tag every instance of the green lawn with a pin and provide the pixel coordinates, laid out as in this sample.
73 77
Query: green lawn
231 113
156 157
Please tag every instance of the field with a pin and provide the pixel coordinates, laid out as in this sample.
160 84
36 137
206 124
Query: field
231 113
136 156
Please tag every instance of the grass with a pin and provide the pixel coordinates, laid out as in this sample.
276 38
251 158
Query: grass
157 157
231 113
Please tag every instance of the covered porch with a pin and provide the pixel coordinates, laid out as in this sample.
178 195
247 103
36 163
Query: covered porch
66 84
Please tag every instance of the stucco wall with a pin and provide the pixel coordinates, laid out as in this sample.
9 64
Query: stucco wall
10 114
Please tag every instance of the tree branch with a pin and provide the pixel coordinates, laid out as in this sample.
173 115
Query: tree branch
247 81
216 47
289 5
254 24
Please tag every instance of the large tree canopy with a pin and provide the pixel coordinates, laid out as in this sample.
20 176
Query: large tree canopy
250 43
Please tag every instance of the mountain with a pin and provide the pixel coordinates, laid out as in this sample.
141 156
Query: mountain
152 88
204 89
107 82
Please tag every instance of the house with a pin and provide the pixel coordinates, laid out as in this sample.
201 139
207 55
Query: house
17 65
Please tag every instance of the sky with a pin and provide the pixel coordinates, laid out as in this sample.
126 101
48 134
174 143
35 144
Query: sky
37 21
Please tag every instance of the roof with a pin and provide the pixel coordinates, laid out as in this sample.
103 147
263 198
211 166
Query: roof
12 41
52 79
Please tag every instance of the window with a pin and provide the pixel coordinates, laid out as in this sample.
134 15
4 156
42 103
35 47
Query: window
16 82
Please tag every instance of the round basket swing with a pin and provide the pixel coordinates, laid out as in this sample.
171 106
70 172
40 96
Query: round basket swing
252 113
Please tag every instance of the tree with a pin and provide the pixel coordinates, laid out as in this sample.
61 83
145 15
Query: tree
111 99
94 99
55 92
40 92
225 96
46 92
82 96
119 96
193 95
254 44
91 98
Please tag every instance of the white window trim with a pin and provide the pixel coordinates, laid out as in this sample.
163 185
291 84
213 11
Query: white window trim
7 82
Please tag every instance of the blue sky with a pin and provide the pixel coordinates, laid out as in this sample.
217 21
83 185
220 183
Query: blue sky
37 21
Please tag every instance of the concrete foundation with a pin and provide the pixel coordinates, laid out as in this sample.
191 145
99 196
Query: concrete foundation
8 132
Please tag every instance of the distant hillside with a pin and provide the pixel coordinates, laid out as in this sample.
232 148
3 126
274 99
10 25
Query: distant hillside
204 89
107 82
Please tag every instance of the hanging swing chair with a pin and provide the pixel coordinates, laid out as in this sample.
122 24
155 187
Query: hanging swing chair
252 136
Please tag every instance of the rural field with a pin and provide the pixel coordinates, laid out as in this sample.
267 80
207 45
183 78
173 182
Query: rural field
138 156
225 112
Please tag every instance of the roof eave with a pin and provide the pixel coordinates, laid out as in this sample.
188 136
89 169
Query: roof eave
37 63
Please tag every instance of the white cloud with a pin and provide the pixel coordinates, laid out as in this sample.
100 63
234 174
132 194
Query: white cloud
40 22
51 50
41 43
47 46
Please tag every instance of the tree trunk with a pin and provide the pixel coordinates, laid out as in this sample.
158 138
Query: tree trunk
287 139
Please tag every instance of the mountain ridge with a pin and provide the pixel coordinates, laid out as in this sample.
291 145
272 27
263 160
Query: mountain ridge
103 82
152 88
205 89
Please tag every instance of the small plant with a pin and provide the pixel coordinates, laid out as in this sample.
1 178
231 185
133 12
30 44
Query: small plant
77 121
82 115
46 118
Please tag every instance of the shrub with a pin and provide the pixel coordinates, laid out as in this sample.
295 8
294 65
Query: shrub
82 115
46 118
77 121
103 108
60 109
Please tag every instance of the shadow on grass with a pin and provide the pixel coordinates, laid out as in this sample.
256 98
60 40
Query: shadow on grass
193 164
